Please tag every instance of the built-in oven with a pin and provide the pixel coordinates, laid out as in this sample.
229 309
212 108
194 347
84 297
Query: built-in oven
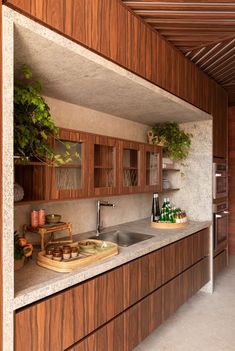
220 227
220 180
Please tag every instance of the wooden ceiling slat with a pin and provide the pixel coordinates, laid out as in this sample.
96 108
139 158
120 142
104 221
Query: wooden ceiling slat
224 51
184 1
204 30
187 15
219 66
180 6
203 23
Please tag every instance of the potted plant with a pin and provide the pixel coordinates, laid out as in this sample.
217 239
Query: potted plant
22 250
175 141
33 124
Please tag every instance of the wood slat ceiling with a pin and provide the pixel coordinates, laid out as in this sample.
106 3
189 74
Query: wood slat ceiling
204 30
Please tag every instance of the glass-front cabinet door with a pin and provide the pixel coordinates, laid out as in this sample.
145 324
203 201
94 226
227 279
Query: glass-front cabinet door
130 166
104 158
69 181
152 168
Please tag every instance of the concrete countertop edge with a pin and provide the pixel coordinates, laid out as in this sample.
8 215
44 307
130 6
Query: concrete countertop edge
53 286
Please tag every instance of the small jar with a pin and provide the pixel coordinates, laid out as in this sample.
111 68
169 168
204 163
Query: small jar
49 252
57 254
74 252
66 252
41 217
34 219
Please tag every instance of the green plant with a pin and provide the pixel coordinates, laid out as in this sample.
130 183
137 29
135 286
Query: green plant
33 124
175 140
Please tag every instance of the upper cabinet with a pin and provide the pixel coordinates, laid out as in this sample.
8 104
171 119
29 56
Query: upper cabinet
107 166
153 168
70 180
131 166
220 124
103 164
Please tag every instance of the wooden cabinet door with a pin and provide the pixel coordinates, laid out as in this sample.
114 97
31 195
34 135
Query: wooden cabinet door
141 277
70 181
220 123
131 167
103 166
152 168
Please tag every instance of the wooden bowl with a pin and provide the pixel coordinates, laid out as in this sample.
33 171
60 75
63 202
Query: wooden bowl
53 218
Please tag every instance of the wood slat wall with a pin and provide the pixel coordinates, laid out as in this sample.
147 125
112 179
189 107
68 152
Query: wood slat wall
1 227
231 165
110 29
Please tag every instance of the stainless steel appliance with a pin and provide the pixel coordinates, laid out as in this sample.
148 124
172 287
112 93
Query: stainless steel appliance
220 180
220 227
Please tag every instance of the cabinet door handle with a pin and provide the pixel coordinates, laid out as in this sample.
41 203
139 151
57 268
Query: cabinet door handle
218 216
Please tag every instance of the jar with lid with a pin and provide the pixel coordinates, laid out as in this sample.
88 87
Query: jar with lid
66 252
57 254
74 252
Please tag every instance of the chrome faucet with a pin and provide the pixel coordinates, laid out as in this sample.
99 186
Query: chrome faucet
99 204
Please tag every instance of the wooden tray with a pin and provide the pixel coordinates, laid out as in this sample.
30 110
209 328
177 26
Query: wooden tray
165 225
84 258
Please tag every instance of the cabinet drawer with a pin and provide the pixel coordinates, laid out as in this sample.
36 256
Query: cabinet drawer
127 330
87 306
184 253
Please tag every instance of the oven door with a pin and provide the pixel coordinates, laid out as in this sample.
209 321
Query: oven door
220 231
220 181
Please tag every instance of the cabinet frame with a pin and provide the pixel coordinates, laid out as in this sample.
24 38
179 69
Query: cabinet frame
155 149
70 135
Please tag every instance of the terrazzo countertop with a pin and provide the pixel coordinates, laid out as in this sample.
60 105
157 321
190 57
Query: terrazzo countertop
33 283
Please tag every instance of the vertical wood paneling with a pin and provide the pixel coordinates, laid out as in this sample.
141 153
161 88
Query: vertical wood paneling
1 199
231 179
107 27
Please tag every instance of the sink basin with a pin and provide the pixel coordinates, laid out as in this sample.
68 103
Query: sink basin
123 238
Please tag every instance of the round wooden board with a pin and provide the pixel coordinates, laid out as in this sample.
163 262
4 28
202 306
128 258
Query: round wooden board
164 225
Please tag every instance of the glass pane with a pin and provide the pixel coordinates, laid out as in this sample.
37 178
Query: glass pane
74 147
130 177
103 177
104 156
130 167
152 162
130 158
68 178
104 160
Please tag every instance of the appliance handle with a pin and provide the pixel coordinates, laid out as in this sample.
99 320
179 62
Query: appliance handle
218 174
218 216
226 212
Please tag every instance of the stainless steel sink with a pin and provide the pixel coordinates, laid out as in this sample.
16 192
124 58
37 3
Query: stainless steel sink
123 238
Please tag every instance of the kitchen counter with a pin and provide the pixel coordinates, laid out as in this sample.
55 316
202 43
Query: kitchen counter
33 283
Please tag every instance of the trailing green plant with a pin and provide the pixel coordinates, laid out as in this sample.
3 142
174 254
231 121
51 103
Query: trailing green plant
33 124
176 142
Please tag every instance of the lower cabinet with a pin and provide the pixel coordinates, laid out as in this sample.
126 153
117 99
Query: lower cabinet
117 309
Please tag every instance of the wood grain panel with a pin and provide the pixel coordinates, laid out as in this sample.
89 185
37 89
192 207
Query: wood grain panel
1 199
142 277
220 262
231 180
110 29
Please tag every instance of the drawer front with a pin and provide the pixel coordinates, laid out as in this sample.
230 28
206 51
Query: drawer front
184 253
127 330
86 307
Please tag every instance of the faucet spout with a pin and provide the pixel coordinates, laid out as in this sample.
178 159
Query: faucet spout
101 203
